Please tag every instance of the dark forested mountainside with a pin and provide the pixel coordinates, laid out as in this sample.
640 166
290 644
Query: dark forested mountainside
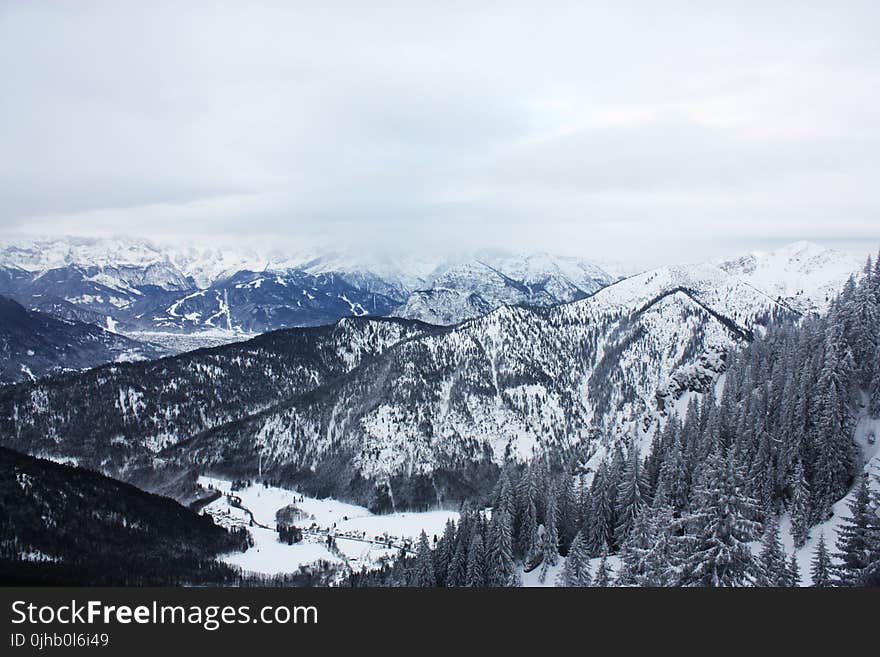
136 409
34 344
65 525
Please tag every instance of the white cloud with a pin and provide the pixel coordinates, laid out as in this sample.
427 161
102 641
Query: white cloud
610 130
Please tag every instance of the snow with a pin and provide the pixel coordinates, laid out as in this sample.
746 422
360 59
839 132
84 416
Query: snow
406 525
533 578
805 275
361 537
840 509
176 343
270 557
468 287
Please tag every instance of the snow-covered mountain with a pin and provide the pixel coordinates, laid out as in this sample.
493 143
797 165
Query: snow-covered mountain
395 412
802 275
489 280
136 286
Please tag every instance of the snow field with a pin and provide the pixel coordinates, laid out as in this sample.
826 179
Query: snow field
361 537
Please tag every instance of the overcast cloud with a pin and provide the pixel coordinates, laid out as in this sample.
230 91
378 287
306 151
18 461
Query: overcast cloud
631 130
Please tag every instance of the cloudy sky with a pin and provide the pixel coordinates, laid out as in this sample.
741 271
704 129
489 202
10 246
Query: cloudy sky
627 130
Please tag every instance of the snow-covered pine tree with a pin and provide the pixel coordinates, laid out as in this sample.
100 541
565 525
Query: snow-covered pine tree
528 539
576 571
793 572
424 565
837 453
457 571
604 573
476 563
858 538
500 566
444 553
550 548
601 513
861 321
820 566
720 528
772 568
635 552
630 496
800 506
569 513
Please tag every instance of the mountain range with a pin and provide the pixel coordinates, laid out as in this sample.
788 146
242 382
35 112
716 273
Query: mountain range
136 287
396 412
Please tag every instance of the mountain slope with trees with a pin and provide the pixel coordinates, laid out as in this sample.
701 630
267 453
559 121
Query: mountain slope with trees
66 525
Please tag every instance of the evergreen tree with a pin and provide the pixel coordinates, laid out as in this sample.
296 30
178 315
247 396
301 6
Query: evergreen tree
500 566
476 563
630 494
649 556
424 565
604 573
458 565
601 512
550 537
444 553
793 573
837 453
576 571
800 506
720 528
858 543
772 569
820 567
570 516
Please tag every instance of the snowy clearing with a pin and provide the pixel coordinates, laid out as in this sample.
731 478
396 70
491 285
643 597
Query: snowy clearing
362 538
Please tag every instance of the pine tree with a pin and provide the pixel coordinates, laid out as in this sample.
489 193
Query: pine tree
771 568
576 571
630 494
837 453
720 528
476 563
800 506
820 567
874 388
793 573
601 512
604 573
458 565
500 566
858 542
635 550
424 566
570 514
444 553
551 533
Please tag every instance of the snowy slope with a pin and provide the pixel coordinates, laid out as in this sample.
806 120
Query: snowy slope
803 275
871 453
491 279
